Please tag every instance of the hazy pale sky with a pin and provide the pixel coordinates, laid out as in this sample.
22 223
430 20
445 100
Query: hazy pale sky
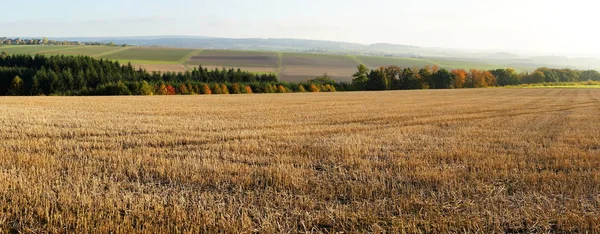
549 26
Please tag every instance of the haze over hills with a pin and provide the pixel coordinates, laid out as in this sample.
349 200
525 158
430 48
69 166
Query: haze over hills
523 61
520 61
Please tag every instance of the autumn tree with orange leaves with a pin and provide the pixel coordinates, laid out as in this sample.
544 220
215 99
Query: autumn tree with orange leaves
224 89
480 79
248 89
171 90
281 89
460 78
183 89
205 89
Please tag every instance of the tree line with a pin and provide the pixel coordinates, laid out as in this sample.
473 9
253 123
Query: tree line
432 77
83 75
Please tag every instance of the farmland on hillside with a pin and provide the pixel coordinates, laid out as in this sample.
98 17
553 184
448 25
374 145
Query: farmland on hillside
151 54
460 64
429 161
301 67
289 66
31 49
229 58
373 62
317 60
84 50
303 73
422 62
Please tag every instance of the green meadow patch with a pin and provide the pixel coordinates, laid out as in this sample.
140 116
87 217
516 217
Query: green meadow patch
151 54
32 49
84 50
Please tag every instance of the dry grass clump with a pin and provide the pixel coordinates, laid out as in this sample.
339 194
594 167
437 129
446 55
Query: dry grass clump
494 160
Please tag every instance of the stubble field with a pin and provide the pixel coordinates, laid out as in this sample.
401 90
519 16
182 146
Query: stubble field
491 160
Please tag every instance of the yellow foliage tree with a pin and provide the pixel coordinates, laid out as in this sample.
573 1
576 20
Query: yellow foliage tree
235 89
329 88
145 89
161 90
313 88
269 89
224 89
216 89
301 88
281 89
16 87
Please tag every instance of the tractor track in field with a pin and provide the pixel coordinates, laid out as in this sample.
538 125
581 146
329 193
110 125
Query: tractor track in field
187 57
356 59
111 52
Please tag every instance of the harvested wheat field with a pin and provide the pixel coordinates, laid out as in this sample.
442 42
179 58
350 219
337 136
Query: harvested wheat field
481 160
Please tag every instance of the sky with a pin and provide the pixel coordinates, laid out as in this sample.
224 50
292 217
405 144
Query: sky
546 26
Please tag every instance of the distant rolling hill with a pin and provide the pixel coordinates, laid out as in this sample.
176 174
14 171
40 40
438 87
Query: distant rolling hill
519 61
290 66
273 44
293 59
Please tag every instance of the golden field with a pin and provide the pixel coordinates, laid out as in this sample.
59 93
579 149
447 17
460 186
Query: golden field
481 160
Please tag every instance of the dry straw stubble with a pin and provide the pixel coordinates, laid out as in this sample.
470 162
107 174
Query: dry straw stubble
489 160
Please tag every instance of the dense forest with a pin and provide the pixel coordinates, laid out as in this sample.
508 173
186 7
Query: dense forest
82 75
